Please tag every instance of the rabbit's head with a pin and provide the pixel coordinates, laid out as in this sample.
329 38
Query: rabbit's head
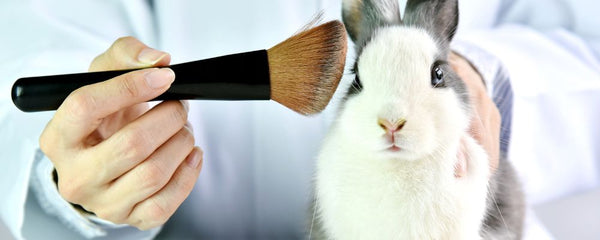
406 101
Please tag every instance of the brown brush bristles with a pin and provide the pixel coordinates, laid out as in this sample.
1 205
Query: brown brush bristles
306 68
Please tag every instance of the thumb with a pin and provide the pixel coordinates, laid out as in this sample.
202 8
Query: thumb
127 53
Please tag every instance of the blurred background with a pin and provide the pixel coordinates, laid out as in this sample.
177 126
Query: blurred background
551 49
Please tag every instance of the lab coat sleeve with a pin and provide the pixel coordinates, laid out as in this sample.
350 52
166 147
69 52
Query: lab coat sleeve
577 17
43 38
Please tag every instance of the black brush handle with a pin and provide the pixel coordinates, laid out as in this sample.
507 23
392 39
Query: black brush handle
242 76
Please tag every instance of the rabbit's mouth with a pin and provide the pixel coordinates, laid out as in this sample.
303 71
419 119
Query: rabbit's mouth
399 149
394 148
391 140
396 152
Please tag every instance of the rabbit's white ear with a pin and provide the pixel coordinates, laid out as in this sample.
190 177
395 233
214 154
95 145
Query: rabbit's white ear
363 17
439 17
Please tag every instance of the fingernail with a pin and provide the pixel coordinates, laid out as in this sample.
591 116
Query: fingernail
194 159
186 105
159 78
189 126
150 56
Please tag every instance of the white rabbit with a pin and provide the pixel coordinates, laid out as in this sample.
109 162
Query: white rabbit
386 168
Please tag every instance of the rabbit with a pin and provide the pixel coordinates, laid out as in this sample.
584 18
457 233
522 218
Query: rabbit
386 167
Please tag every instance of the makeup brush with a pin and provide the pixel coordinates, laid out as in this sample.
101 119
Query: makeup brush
300 73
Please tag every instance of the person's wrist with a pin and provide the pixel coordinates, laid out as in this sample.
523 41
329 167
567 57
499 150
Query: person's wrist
45 190
77 207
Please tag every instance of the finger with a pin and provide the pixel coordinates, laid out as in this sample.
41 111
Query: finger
127 53
460 167
157 209
116 121
145 179
138 140
108 160
485 128
84 109
494 125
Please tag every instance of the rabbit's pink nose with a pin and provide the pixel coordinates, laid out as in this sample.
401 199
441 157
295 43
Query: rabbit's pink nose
388 126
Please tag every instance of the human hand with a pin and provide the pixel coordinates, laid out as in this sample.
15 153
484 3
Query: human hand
485 120
113 155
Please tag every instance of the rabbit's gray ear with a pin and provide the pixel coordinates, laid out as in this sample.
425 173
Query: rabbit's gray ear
439 17
363 17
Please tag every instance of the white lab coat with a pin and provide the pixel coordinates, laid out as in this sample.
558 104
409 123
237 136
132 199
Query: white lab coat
258 155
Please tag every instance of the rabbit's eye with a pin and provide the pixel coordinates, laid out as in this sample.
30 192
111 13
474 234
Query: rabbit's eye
437 77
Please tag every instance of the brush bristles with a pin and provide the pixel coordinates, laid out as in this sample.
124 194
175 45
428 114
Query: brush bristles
306 68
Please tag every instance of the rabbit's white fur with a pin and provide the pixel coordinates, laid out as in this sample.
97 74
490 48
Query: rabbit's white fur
364 191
